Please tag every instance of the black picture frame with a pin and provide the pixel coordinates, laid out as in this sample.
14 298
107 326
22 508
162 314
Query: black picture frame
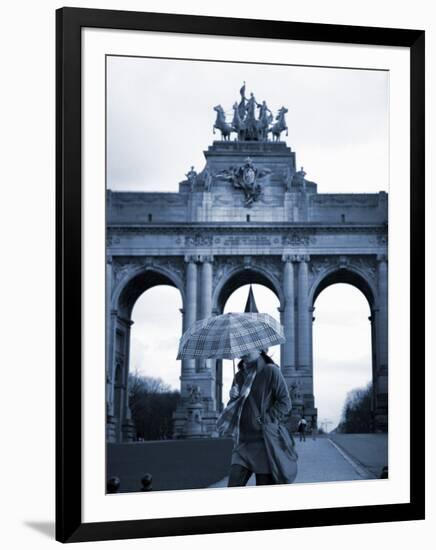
69 525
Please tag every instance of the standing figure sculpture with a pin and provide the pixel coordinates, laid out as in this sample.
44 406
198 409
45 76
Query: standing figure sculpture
238 122
265 119
241 106
221 124
192 178
251 124
207 177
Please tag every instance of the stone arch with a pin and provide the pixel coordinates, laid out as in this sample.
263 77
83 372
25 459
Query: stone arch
138 281
240 276
360 280
349 275
126 292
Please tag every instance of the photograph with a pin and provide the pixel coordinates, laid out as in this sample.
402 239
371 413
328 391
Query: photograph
246 274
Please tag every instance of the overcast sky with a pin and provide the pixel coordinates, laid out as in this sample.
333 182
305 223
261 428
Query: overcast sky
159 121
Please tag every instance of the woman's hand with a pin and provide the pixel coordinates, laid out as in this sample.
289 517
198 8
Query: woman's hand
234 392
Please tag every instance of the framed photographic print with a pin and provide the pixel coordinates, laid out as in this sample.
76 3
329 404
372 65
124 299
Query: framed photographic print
240 274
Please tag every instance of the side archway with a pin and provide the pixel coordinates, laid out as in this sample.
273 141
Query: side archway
364 283
126 292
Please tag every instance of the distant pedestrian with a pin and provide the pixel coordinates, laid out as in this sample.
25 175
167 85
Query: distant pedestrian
301 428
314 431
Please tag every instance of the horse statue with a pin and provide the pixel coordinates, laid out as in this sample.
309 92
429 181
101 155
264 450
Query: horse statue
280 126
221 124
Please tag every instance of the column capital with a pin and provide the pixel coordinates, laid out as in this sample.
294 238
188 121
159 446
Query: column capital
382 258
302 258
205 259
289 258
191 259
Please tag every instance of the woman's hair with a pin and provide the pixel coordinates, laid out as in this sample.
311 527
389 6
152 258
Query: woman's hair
264 356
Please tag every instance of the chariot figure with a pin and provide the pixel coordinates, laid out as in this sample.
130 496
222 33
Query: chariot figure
265 119
251 124
241 106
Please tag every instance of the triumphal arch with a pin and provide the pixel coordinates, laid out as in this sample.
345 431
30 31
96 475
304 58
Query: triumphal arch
249 215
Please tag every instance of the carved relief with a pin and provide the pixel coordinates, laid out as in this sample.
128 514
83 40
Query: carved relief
251 240
343 199
124 266
199 239
297 238
226 264
364 264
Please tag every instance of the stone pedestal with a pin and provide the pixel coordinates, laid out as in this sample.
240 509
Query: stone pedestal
194 422
111 431
128 430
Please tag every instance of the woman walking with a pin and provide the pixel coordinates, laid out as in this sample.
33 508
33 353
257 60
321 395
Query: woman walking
260 378
259 398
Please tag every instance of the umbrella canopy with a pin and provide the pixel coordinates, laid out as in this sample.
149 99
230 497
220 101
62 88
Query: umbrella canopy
230 335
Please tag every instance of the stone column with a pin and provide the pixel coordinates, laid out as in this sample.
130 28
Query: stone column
111 421
206 299
109 341
382 277
288 315
190 309
381 382
304 320
374 354
127 426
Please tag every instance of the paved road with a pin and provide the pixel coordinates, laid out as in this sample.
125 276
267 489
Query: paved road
319 461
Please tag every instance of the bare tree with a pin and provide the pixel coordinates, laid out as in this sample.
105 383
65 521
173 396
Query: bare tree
152 403
357 415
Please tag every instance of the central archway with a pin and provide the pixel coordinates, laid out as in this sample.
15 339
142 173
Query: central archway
232 295
241 276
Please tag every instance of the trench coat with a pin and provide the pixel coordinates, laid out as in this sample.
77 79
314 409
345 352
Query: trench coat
275 404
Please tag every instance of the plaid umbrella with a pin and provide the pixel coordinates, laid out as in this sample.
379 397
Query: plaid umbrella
230 335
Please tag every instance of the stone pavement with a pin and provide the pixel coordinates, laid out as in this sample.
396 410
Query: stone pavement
319 461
